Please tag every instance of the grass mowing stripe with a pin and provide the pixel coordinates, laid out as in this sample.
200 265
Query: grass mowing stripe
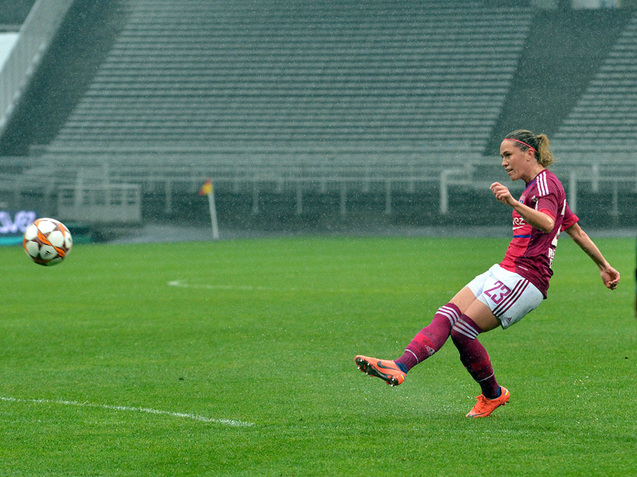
194 417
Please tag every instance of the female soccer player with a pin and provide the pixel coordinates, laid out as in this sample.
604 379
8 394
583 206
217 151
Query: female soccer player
505 293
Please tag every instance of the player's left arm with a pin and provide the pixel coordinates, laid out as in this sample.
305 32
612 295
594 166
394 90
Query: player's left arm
609 275
538 219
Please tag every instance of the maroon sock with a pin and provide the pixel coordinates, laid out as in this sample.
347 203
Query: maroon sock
431 338
474 357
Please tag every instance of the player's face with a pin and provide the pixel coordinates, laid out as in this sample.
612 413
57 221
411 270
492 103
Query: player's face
515 161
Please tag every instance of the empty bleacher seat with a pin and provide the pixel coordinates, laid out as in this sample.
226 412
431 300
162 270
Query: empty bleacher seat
298 75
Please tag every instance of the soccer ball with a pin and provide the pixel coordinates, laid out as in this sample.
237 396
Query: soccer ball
47 241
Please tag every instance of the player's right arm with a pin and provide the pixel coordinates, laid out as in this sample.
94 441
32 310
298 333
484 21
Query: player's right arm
609 275
535 218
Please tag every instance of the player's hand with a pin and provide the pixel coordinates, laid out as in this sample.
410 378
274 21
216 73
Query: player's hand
610 277
502 193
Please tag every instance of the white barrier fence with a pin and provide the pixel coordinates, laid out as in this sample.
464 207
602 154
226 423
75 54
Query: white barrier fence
91 182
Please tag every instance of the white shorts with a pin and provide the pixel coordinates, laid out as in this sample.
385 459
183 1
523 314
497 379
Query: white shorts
508 295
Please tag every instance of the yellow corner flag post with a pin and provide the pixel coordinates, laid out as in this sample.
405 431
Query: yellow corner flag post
208 189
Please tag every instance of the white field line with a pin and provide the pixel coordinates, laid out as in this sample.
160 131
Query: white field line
182 284
194 417
252 288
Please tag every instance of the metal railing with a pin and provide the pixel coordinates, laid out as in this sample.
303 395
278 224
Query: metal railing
279 172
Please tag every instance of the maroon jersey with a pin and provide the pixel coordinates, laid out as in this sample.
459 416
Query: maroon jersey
531 252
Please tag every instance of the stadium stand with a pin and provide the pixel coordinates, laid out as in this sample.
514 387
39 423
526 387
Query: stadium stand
300 86
300 73
295 95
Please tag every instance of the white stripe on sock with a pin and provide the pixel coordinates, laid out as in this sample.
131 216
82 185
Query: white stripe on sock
463 328
417 360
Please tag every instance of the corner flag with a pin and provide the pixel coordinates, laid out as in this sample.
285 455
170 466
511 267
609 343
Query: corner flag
208 189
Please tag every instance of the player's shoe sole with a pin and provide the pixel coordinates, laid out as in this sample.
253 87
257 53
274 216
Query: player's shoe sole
384 369
484 407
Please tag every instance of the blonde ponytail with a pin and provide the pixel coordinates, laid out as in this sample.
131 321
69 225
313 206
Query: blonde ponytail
544 154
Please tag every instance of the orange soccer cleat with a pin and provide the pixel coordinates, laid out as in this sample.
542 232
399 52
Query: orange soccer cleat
381 368
485 407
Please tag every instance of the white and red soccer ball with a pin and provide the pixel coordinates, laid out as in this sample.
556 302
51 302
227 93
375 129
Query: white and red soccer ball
47 241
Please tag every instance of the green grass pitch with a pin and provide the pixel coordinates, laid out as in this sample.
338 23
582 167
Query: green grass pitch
236 358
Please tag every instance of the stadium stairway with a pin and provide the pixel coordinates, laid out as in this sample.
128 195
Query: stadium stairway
597 140
604 120
561 58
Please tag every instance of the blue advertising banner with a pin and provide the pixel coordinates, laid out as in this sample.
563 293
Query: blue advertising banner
13 224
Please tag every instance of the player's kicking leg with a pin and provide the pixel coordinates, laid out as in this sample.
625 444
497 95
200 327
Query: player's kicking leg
384 369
